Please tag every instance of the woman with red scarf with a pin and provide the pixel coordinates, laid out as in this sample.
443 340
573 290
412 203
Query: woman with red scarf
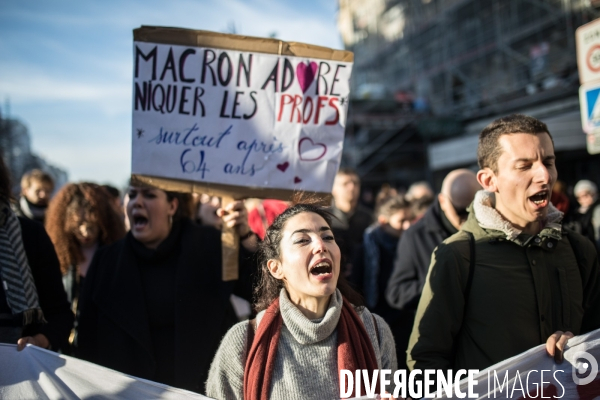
310 323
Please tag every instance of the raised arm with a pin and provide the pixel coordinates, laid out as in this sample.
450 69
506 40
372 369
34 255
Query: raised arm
235 215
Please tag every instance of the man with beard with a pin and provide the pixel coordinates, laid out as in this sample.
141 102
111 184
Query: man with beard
512 278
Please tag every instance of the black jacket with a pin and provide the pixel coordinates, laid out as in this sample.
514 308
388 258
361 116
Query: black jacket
114 325
351 227
414 256
24 209
348 232
52 298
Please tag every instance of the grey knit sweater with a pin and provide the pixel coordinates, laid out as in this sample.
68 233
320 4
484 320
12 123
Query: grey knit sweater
306 360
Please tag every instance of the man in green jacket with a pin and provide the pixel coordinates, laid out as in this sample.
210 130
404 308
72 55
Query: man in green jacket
532 282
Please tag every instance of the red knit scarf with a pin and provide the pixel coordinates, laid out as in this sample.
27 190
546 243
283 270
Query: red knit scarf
355 350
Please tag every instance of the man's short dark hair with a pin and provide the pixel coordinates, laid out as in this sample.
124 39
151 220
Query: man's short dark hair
489 149
348 171
393 205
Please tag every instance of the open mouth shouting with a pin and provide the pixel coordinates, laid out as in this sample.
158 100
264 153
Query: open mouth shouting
139 222
322 269
541 199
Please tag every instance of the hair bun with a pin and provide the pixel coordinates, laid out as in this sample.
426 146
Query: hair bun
313 199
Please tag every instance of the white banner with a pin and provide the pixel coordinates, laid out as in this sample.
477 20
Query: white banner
237 117
35 373
533 374
38 373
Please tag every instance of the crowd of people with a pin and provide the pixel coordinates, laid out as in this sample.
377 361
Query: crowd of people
499 261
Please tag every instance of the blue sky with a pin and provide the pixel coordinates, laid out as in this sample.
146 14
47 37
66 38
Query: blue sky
66 66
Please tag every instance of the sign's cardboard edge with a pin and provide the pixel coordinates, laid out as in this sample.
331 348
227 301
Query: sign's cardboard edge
200 38
579 56
221 190
588 24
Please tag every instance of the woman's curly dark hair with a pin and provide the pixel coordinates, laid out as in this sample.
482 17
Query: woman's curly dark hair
93 200
268 287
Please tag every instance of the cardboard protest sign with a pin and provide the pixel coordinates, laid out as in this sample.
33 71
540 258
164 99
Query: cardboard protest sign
236 116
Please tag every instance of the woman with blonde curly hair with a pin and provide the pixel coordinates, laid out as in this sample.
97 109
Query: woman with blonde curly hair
81 218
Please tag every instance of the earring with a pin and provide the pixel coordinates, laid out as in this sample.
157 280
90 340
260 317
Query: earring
170 220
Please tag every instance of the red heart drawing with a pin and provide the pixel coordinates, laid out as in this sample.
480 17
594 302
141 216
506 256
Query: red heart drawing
306 74
311 151
297 180
283 167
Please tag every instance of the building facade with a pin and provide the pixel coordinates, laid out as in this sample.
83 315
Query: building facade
446 68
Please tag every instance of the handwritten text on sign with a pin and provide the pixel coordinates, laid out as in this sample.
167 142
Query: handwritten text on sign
238 118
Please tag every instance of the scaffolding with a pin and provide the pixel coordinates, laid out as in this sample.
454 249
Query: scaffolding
456 60
463 56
